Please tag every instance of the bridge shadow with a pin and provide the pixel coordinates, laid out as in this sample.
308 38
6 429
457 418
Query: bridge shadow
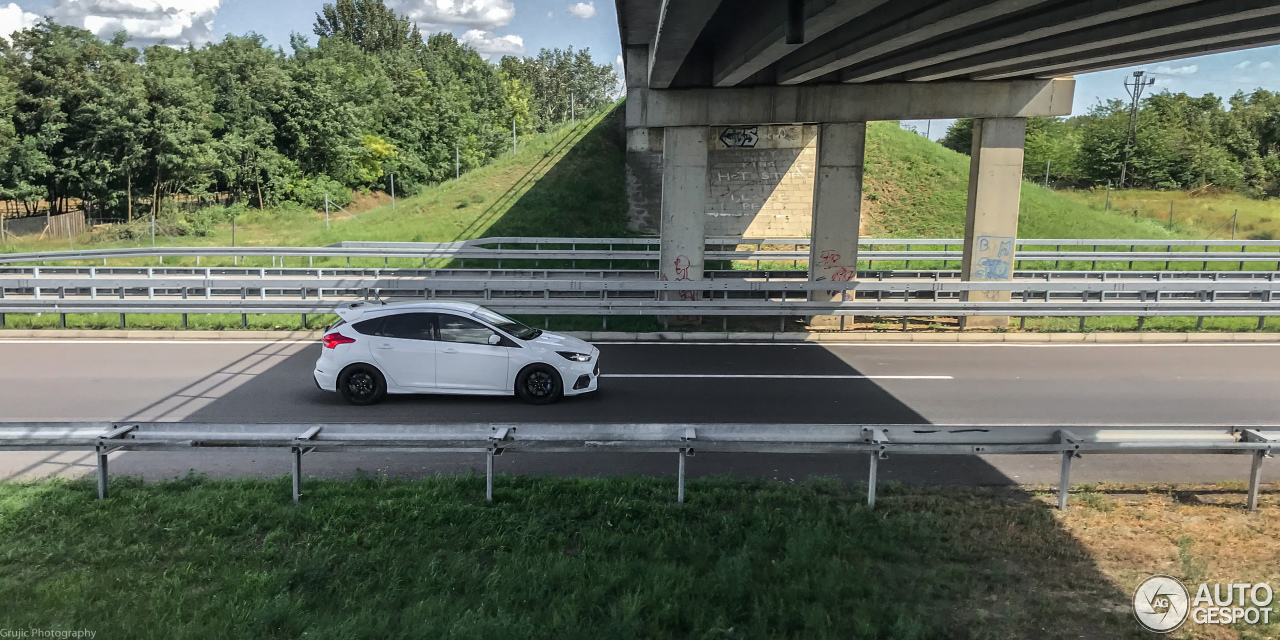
284 392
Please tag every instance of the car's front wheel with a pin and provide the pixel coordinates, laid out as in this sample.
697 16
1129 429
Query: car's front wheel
539 384
362 385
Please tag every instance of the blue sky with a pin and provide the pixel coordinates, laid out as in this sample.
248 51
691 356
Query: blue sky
496 27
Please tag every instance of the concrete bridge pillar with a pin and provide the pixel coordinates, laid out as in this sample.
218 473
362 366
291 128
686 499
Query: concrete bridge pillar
837 209
684 202
991 220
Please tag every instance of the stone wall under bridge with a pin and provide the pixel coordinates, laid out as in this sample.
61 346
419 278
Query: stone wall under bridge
759 179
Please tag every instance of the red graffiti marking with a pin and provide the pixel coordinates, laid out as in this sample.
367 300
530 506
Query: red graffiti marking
829 259
844 275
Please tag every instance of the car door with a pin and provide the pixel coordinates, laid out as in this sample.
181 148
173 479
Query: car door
464 357
405 349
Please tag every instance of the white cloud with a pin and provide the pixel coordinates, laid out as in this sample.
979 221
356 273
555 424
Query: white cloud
1177 71
617 62
583 10
1244 65
13 18
1265 65
551 14
485 15
489 43
177 22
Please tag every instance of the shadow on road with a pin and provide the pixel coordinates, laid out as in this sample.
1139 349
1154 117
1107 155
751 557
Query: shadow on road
284 392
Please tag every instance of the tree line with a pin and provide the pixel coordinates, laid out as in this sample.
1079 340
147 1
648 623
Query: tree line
1181 142
118 131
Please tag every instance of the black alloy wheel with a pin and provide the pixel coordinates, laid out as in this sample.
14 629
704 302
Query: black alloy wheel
539 384
362 385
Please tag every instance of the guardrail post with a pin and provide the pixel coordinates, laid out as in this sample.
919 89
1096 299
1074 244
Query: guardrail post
1255 480
102 472
1064 480
488 475
297 474
680 479
871 480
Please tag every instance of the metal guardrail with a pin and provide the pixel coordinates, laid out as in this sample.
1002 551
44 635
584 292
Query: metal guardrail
876 441
643 251
288 294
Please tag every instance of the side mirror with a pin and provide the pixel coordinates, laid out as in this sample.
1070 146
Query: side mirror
495 339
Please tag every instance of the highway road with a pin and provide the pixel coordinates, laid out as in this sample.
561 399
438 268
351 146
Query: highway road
228 381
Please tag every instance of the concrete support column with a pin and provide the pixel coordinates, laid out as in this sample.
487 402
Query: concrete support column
837 209
991 220
684 201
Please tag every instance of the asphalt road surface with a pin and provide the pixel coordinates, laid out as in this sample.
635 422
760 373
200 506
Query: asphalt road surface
990 384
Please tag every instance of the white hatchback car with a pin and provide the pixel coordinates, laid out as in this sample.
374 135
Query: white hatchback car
449 347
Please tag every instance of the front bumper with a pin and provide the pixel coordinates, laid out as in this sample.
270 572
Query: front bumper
574 373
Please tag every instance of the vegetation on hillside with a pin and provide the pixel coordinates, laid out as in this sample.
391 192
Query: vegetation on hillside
83 121
915 188
1182 142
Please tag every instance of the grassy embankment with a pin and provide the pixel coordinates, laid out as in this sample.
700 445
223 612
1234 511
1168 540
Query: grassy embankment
1203 213
613 558
565 183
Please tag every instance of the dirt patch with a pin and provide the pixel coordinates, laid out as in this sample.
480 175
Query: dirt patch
875 195
362 202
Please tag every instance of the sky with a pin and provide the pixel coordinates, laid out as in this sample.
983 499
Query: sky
522 27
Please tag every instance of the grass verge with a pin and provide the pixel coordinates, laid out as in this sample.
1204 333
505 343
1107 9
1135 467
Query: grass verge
611 558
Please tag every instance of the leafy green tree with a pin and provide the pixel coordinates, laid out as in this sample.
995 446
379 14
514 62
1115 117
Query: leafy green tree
177 141
250 85
369 24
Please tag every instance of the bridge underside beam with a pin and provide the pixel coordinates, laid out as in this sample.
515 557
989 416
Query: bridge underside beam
848 103
1183 27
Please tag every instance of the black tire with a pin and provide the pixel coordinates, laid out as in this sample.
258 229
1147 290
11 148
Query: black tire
362 385
539 384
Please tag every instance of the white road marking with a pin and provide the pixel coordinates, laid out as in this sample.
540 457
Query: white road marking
771 376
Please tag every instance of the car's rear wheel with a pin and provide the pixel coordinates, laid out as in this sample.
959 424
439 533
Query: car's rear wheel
362 385
539 384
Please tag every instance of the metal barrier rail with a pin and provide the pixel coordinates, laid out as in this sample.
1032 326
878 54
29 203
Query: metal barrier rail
650 307
877 441
475 250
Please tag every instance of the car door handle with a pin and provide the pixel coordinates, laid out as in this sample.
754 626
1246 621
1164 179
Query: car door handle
384 346
451 350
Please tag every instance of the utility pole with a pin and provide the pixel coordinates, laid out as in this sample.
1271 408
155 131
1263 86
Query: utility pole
1048 163
573 118
928 129
1107 206
1135 97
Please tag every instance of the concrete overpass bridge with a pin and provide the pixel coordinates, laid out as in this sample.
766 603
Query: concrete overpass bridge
748 117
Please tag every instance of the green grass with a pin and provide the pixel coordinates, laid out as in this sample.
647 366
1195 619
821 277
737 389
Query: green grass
916 188
1205 213
550 558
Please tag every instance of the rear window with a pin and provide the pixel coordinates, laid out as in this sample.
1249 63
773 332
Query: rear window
370 327
335 325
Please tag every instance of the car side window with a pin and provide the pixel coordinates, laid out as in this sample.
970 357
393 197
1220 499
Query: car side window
409 326
458 329
369 327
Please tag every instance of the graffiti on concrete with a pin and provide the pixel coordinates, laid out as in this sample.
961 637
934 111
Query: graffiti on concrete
741 137
993 258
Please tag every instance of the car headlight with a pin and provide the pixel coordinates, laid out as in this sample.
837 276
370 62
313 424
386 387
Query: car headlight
576 357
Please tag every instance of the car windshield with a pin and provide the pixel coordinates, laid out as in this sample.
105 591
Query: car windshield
507 324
